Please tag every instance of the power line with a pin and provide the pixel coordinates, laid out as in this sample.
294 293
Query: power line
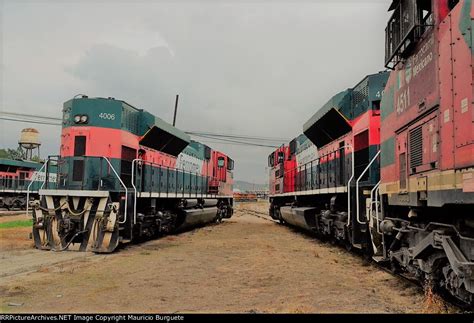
238 136
28 115
31 121
238 142
227 138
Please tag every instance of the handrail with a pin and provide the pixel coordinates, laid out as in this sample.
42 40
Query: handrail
33 178
298 169
377 195
149 163
373 193
124 186
45 173
357 186
319 158
135 188
349 184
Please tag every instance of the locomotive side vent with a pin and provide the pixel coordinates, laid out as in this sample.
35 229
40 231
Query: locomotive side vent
416 148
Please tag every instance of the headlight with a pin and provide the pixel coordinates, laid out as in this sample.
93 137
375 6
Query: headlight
84 119
77 119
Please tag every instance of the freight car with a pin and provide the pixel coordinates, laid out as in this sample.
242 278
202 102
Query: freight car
395 172
125 175
16 176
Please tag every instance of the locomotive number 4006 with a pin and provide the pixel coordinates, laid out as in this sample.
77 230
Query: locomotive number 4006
107 116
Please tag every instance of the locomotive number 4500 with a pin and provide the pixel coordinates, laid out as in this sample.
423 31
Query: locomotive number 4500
107 116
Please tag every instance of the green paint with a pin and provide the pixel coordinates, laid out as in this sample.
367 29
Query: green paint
115 114
20 163
95 169
466 24
387 156
100 112
16 224
387 105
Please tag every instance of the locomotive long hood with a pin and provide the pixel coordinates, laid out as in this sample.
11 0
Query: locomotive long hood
165 138
326 126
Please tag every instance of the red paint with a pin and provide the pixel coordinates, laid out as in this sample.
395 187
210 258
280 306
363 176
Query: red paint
107 142
368 123
438 80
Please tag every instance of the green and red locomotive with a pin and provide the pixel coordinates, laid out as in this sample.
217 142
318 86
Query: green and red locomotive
124 175
394 174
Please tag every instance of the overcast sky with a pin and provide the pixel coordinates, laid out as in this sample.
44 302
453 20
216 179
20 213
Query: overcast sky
242 67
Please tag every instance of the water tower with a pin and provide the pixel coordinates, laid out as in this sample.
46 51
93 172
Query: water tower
29 141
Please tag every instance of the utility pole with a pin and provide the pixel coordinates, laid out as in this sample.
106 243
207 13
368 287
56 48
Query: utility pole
175 109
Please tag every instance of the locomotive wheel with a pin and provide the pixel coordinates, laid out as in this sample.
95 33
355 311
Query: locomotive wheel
17 204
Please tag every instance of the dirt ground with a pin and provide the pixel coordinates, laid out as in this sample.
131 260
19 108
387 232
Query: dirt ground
246 264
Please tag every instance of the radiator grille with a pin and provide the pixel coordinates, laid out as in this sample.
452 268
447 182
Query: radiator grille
361 92
416 147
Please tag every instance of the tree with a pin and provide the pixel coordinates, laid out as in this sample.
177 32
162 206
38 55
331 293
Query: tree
3 153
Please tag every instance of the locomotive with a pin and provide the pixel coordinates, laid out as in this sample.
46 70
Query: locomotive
126 175
394 171
16 177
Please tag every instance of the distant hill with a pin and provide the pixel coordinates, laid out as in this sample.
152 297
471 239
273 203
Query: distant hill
247 186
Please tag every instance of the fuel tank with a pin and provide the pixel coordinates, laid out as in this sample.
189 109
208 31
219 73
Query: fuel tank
301 217
190 218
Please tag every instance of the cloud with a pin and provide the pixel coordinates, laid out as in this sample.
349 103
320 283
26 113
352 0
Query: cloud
254 67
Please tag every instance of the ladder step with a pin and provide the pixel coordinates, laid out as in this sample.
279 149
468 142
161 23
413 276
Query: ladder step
379 258
357 245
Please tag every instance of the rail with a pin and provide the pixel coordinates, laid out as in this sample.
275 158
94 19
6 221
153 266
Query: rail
349 188
45 173
357 187
124 186
197 190
33 178
135 190
405 26
59 171
377 195
374 200
296 173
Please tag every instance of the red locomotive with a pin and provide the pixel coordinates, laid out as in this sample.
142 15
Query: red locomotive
394 173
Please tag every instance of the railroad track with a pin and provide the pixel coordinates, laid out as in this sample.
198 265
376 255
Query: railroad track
257 214
447 299
4 212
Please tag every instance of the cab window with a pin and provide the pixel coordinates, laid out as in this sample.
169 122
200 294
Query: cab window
220 162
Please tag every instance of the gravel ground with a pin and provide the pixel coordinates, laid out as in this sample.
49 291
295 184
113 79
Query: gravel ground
246 264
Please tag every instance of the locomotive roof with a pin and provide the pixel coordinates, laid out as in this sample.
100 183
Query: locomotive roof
156 133
331 121
20 163
394 5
